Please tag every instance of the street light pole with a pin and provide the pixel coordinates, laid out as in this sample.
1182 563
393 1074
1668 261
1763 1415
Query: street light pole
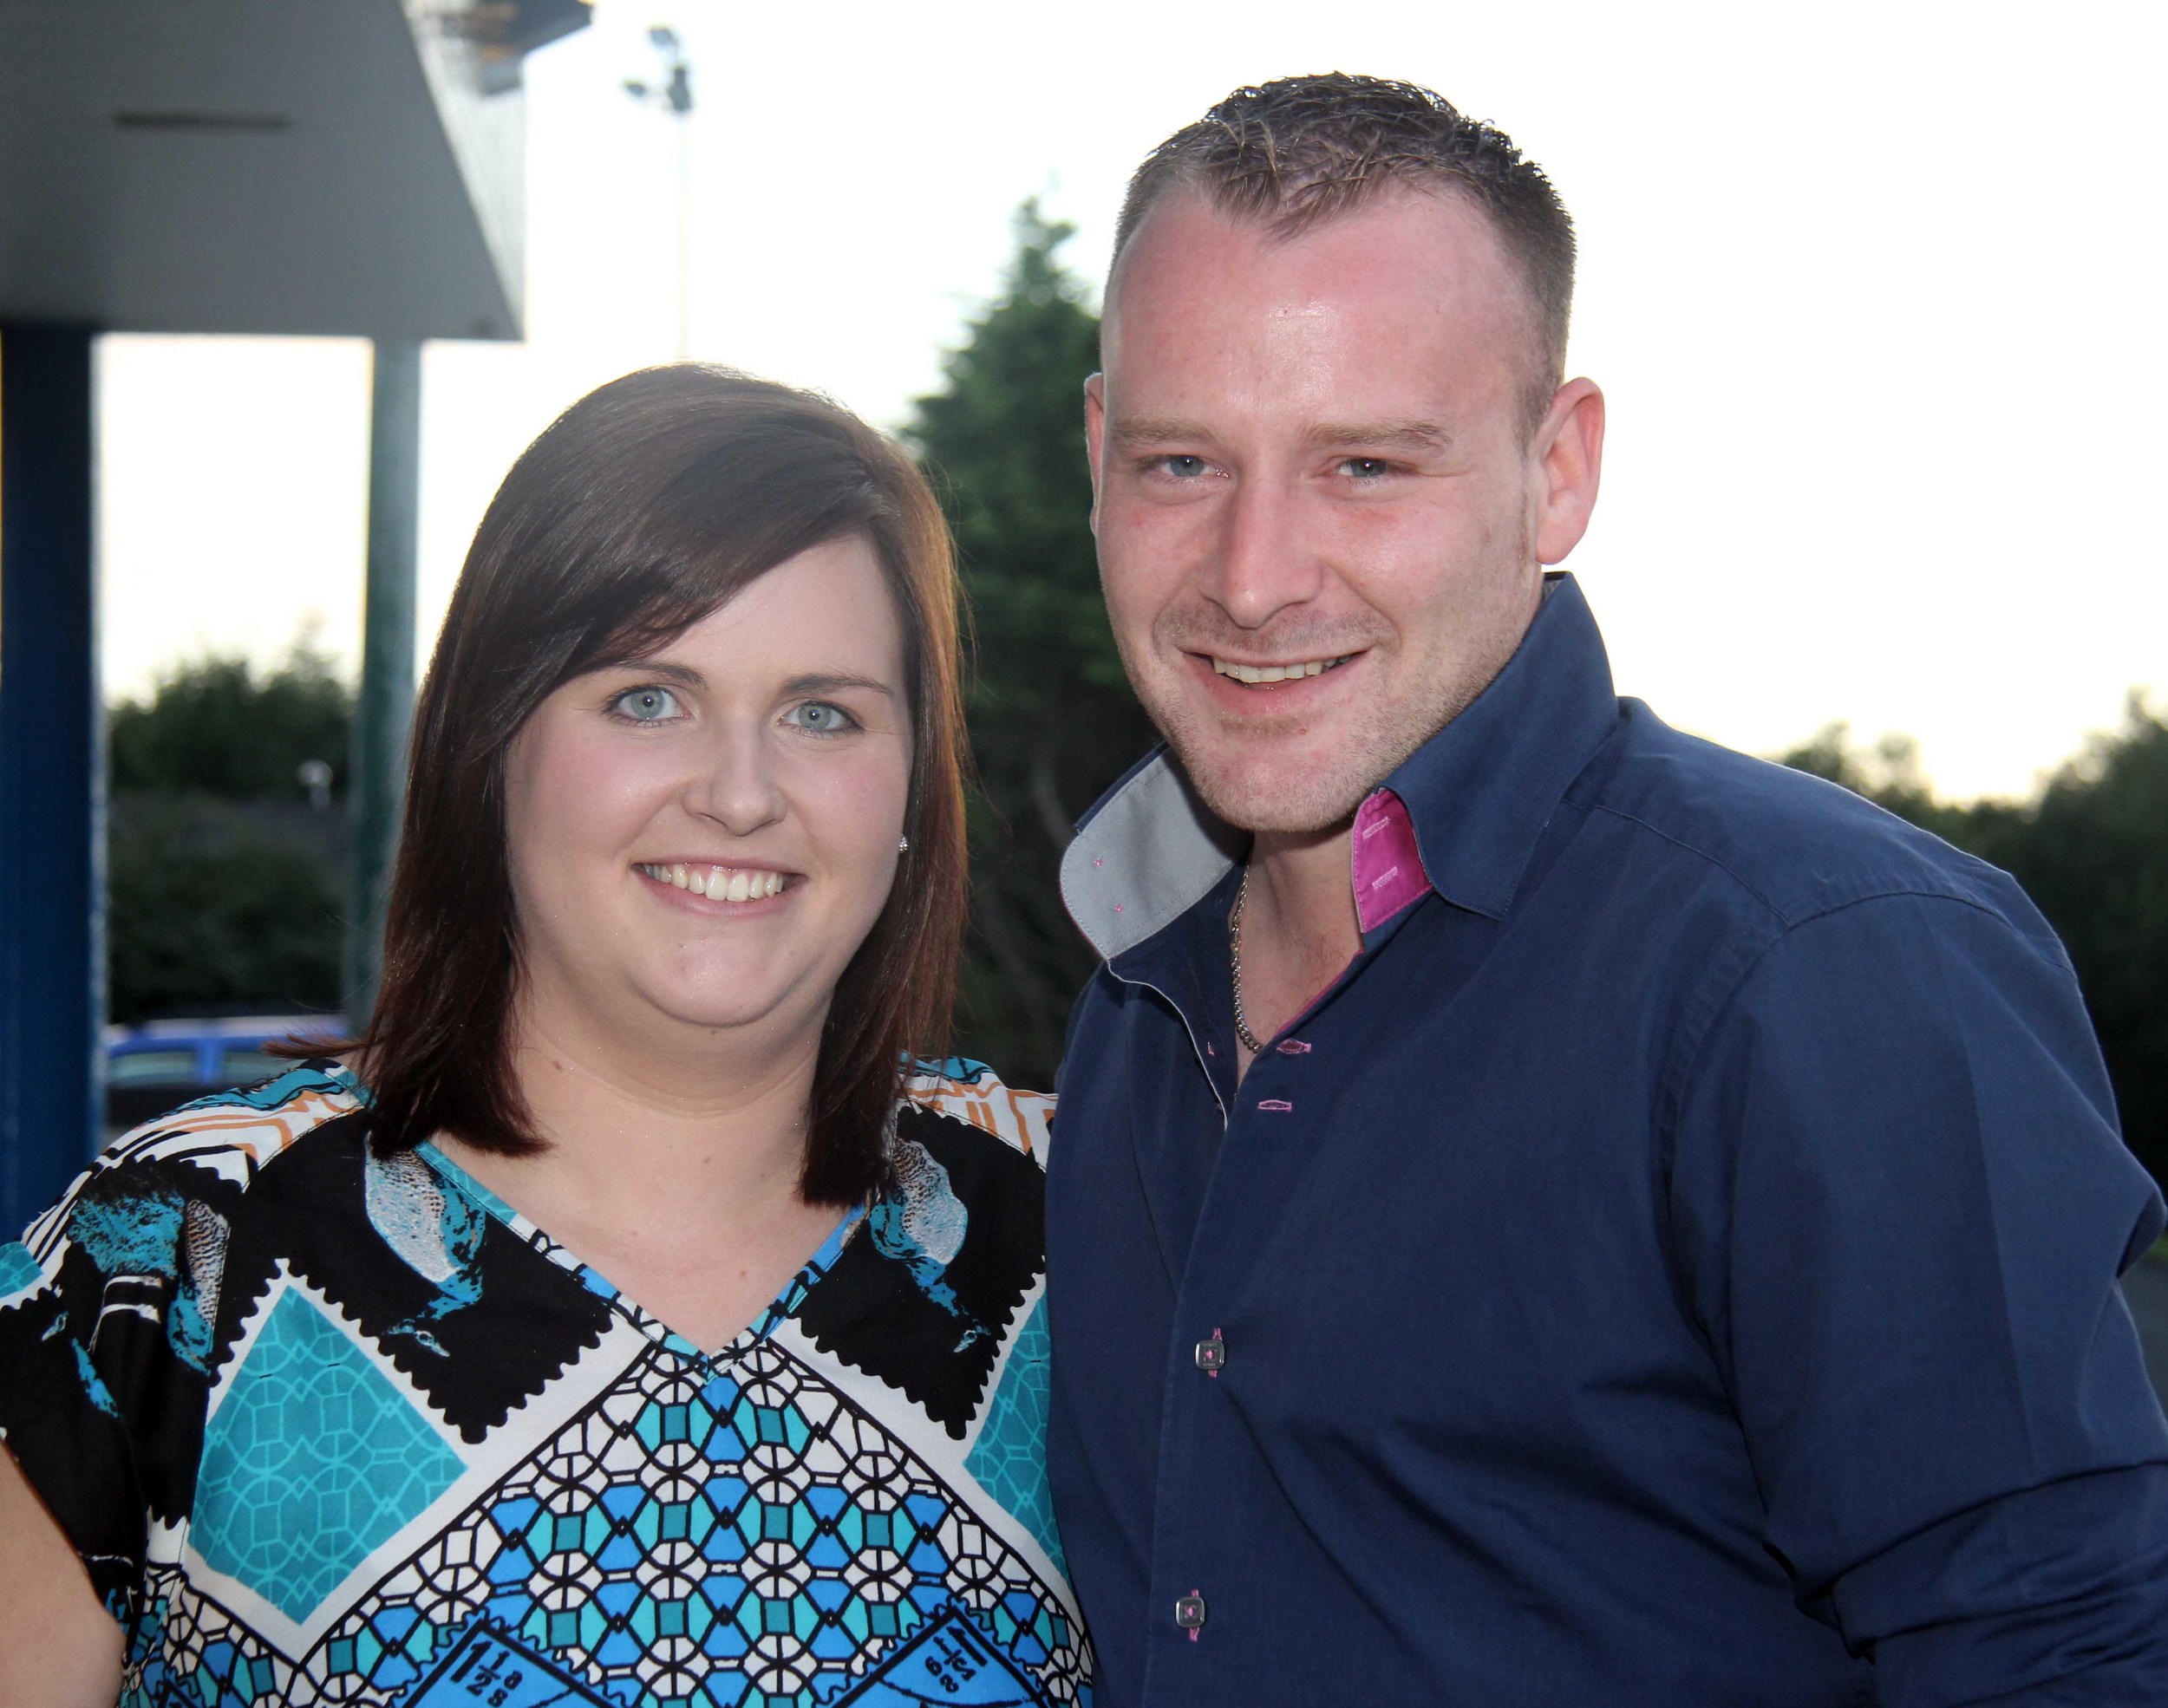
684 216
674 94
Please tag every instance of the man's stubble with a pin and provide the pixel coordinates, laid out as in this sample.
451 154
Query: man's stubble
1299 795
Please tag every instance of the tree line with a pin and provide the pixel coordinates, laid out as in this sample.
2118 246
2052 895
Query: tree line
2091 848
225 889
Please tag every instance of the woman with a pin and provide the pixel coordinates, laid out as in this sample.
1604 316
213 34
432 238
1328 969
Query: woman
617 1323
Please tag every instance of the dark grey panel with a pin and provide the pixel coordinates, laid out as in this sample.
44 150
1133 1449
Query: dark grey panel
254 166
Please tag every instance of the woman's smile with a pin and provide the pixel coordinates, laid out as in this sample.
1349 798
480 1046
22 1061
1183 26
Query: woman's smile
718 882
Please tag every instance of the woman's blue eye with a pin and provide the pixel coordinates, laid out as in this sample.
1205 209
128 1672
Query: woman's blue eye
820 718
646 705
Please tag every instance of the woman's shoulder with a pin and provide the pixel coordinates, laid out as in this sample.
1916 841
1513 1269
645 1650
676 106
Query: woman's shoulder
111 1319
249 1126
227 1138
970 1092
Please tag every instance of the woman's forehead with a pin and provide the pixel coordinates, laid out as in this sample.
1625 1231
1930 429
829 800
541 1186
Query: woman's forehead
828 609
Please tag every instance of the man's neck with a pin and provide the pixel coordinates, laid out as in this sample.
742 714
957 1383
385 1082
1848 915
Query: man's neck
1299 929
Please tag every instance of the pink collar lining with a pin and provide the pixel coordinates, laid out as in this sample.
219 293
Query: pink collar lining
1385 866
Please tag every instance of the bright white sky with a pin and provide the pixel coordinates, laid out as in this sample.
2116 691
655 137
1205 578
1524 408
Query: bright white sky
1873 290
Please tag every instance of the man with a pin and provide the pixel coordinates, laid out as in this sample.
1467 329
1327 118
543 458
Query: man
1547 1210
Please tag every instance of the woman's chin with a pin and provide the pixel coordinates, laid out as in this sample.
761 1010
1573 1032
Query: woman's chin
741 1008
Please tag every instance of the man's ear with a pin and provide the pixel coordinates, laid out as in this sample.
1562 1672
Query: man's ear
1094 430
1569 467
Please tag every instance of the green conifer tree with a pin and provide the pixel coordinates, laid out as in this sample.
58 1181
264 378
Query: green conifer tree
1052 719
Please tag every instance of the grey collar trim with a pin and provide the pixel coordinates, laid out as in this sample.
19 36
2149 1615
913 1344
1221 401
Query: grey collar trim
1150 853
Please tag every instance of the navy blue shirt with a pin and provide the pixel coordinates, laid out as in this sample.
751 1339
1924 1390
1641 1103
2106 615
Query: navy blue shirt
1675 1264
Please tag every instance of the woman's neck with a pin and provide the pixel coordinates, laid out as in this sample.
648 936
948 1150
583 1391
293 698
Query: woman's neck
673 1174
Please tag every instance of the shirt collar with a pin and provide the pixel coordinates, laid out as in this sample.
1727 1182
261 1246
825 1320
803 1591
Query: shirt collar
1476 795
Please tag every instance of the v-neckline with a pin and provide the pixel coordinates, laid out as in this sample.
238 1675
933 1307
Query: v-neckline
802 1280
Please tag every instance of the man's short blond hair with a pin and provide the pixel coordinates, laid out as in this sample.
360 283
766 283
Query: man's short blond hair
1296 152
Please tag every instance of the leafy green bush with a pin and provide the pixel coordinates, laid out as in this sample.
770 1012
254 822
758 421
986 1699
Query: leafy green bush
217 727
205 909
223 887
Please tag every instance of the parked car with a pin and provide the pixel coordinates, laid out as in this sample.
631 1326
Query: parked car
152 1067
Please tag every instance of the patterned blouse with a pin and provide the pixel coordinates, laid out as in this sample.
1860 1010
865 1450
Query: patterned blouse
326 1425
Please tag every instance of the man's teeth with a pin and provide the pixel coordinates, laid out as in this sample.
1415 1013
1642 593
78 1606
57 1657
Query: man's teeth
719 883
1275 672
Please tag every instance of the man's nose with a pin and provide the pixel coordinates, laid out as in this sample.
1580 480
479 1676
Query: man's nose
1262 562
736 784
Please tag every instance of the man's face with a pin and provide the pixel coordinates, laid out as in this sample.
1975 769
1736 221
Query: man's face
1319 513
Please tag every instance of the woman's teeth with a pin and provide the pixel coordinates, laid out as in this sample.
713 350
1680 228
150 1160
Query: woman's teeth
719 883
1276 673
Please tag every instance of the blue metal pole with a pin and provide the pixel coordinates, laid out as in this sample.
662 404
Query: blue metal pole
52 774
384 707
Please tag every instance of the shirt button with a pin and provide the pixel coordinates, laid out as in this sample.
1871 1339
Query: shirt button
1211 1355
1189 1613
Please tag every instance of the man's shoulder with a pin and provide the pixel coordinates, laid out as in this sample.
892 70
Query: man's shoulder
1790 845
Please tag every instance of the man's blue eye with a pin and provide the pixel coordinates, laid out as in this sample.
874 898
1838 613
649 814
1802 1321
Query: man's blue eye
1367 468
646 705
819 717
1184 468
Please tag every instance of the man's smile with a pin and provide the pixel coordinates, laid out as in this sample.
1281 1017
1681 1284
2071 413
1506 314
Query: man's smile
1266 674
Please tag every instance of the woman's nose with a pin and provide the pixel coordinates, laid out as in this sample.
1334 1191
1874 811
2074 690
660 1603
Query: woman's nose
736 784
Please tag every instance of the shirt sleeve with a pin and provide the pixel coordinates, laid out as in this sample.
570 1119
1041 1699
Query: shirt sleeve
1902 1207
105 1306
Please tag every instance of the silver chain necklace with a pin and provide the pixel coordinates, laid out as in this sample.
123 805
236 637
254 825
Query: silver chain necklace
1234 953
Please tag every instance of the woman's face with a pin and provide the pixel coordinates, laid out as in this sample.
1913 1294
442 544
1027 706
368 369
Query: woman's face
702 839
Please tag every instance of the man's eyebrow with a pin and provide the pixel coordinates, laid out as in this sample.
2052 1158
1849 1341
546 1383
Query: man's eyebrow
1156 430
1381 435
1386 435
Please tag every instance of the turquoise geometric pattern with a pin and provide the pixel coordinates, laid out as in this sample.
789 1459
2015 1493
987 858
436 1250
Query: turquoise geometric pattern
189 1651
314 1459
1008 1457
727 1538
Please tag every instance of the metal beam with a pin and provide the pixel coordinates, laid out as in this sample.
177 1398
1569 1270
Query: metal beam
385 708
52 774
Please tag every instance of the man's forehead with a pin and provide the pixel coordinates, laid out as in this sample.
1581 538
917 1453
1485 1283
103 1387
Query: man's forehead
1439 238
1391 319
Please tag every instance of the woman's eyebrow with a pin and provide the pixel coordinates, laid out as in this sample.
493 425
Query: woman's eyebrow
837 682
684 675
813 681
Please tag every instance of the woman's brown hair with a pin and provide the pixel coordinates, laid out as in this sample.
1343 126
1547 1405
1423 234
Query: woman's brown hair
647 505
